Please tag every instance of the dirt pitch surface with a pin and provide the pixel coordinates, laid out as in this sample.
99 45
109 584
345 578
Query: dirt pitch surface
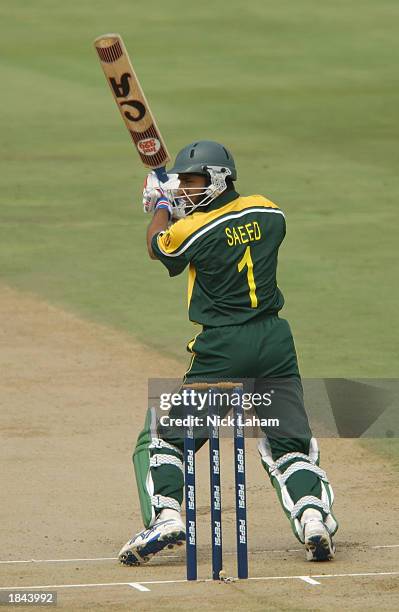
73 397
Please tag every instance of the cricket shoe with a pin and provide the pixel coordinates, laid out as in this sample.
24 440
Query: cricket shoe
165 533
318 543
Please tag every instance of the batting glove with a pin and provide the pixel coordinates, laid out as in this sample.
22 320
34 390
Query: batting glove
152 192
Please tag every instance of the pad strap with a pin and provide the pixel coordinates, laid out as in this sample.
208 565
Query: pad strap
160 501
159 443
278 464
309 500
302 465
159 459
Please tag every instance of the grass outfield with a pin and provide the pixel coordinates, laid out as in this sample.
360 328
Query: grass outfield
306 96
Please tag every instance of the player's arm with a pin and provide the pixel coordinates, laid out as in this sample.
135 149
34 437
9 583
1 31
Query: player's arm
162 237
155 201
159 223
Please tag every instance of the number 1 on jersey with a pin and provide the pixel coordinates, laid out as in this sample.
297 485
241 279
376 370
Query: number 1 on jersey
247 261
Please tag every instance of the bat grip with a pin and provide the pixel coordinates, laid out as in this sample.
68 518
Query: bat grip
161 174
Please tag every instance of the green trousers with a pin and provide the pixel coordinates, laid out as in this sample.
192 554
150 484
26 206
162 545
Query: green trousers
260 349
261 354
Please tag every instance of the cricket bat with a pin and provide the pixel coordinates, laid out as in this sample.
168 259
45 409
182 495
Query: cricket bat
132 103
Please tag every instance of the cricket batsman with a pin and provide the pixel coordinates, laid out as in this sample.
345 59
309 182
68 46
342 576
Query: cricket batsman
230 245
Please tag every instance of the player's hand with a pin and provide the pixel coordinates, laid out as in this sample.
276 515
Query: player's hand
152 192
156 193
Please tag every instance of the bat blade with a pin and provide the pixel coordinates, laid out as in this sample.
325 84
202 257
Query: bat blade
131 101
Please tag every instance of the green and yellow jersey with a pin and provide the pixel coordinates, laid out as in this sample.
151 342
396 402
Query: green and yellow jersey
231 250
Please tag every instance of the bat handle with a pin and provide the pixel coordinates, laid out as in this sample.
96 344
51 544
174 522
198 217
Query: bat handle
161 174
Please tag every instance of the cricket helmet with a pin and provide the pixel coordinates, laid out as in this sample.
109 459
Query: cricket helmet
195 157
207 158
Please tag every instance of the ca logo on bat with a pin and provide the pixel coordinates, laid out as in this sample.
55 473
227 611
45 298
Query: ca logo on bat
122 90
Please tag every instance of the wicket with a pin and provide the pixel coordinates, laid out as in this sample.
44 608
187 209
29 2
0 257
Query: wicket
215 488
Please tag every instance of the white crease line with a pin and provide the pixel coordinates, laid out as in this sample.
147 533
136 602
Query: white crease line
309 580
138 586
107 584
62 560
262 552
75 560
98 584
254 552
363 574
